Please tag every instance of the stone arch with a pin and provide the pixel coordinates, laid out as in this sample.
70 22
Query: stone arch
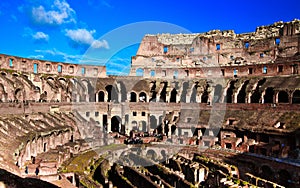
185 87
101 96
204 97
133 97
153 92
112 94
241 97
296 97
18 94
139 72
217 93
116 124
194 94
269 95
123 91
266 172
284 177
89 90
256 94
143 126
151 154
142 97
230 92
283 97
173 97
134 125
153 122
163 93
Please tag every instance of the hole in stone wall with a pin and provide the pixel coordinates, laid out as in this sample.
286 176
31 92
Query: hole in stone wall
241 97
173 95
269 95
283 97
296 97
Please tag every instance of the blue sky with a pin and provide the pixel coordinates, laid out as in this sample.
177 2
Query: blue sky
68 30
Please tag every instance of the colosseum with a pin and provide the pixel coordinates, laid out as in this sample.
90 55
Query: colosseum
214 109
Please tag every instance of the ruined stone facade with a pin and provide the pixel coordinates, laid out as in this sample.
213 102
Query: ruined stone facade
240 92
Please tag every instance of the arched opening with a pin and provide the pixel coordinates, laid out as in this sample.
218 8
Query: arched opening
269 95
204 97
283 97
241 97
115 123
112 94
101 96
163 92
90 90
153 92
267 172
142 97
151 154
173 129
134 125
143 126
132 97
284 178
123 92
153 122
139 72
217 93
256 94
184 92
296 97
229 92
173 95
194 94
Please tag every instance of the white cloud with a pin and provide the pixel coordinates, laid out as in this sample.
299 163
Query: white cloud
59 13
83 36
66 57
36 57
40 36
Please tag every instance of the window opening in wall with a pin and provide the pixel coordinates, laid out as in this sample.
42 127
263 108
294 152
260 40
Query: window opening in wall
265 70
87 114
45 147
277 41
35 68
95 71
235 72
83 70
247 45
143 113
188 120
152 73
134 113
192 50
47 67
230 121
223 72
11 62
232 57
250 70
280 68
261 55
177 59
59 68
139 72
164 73
295 69
166 49
186 72
218 46
175 75
96 114
204 58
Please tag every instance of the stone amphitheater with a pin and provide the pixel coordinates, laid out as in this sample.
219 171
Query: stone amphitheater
214 109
